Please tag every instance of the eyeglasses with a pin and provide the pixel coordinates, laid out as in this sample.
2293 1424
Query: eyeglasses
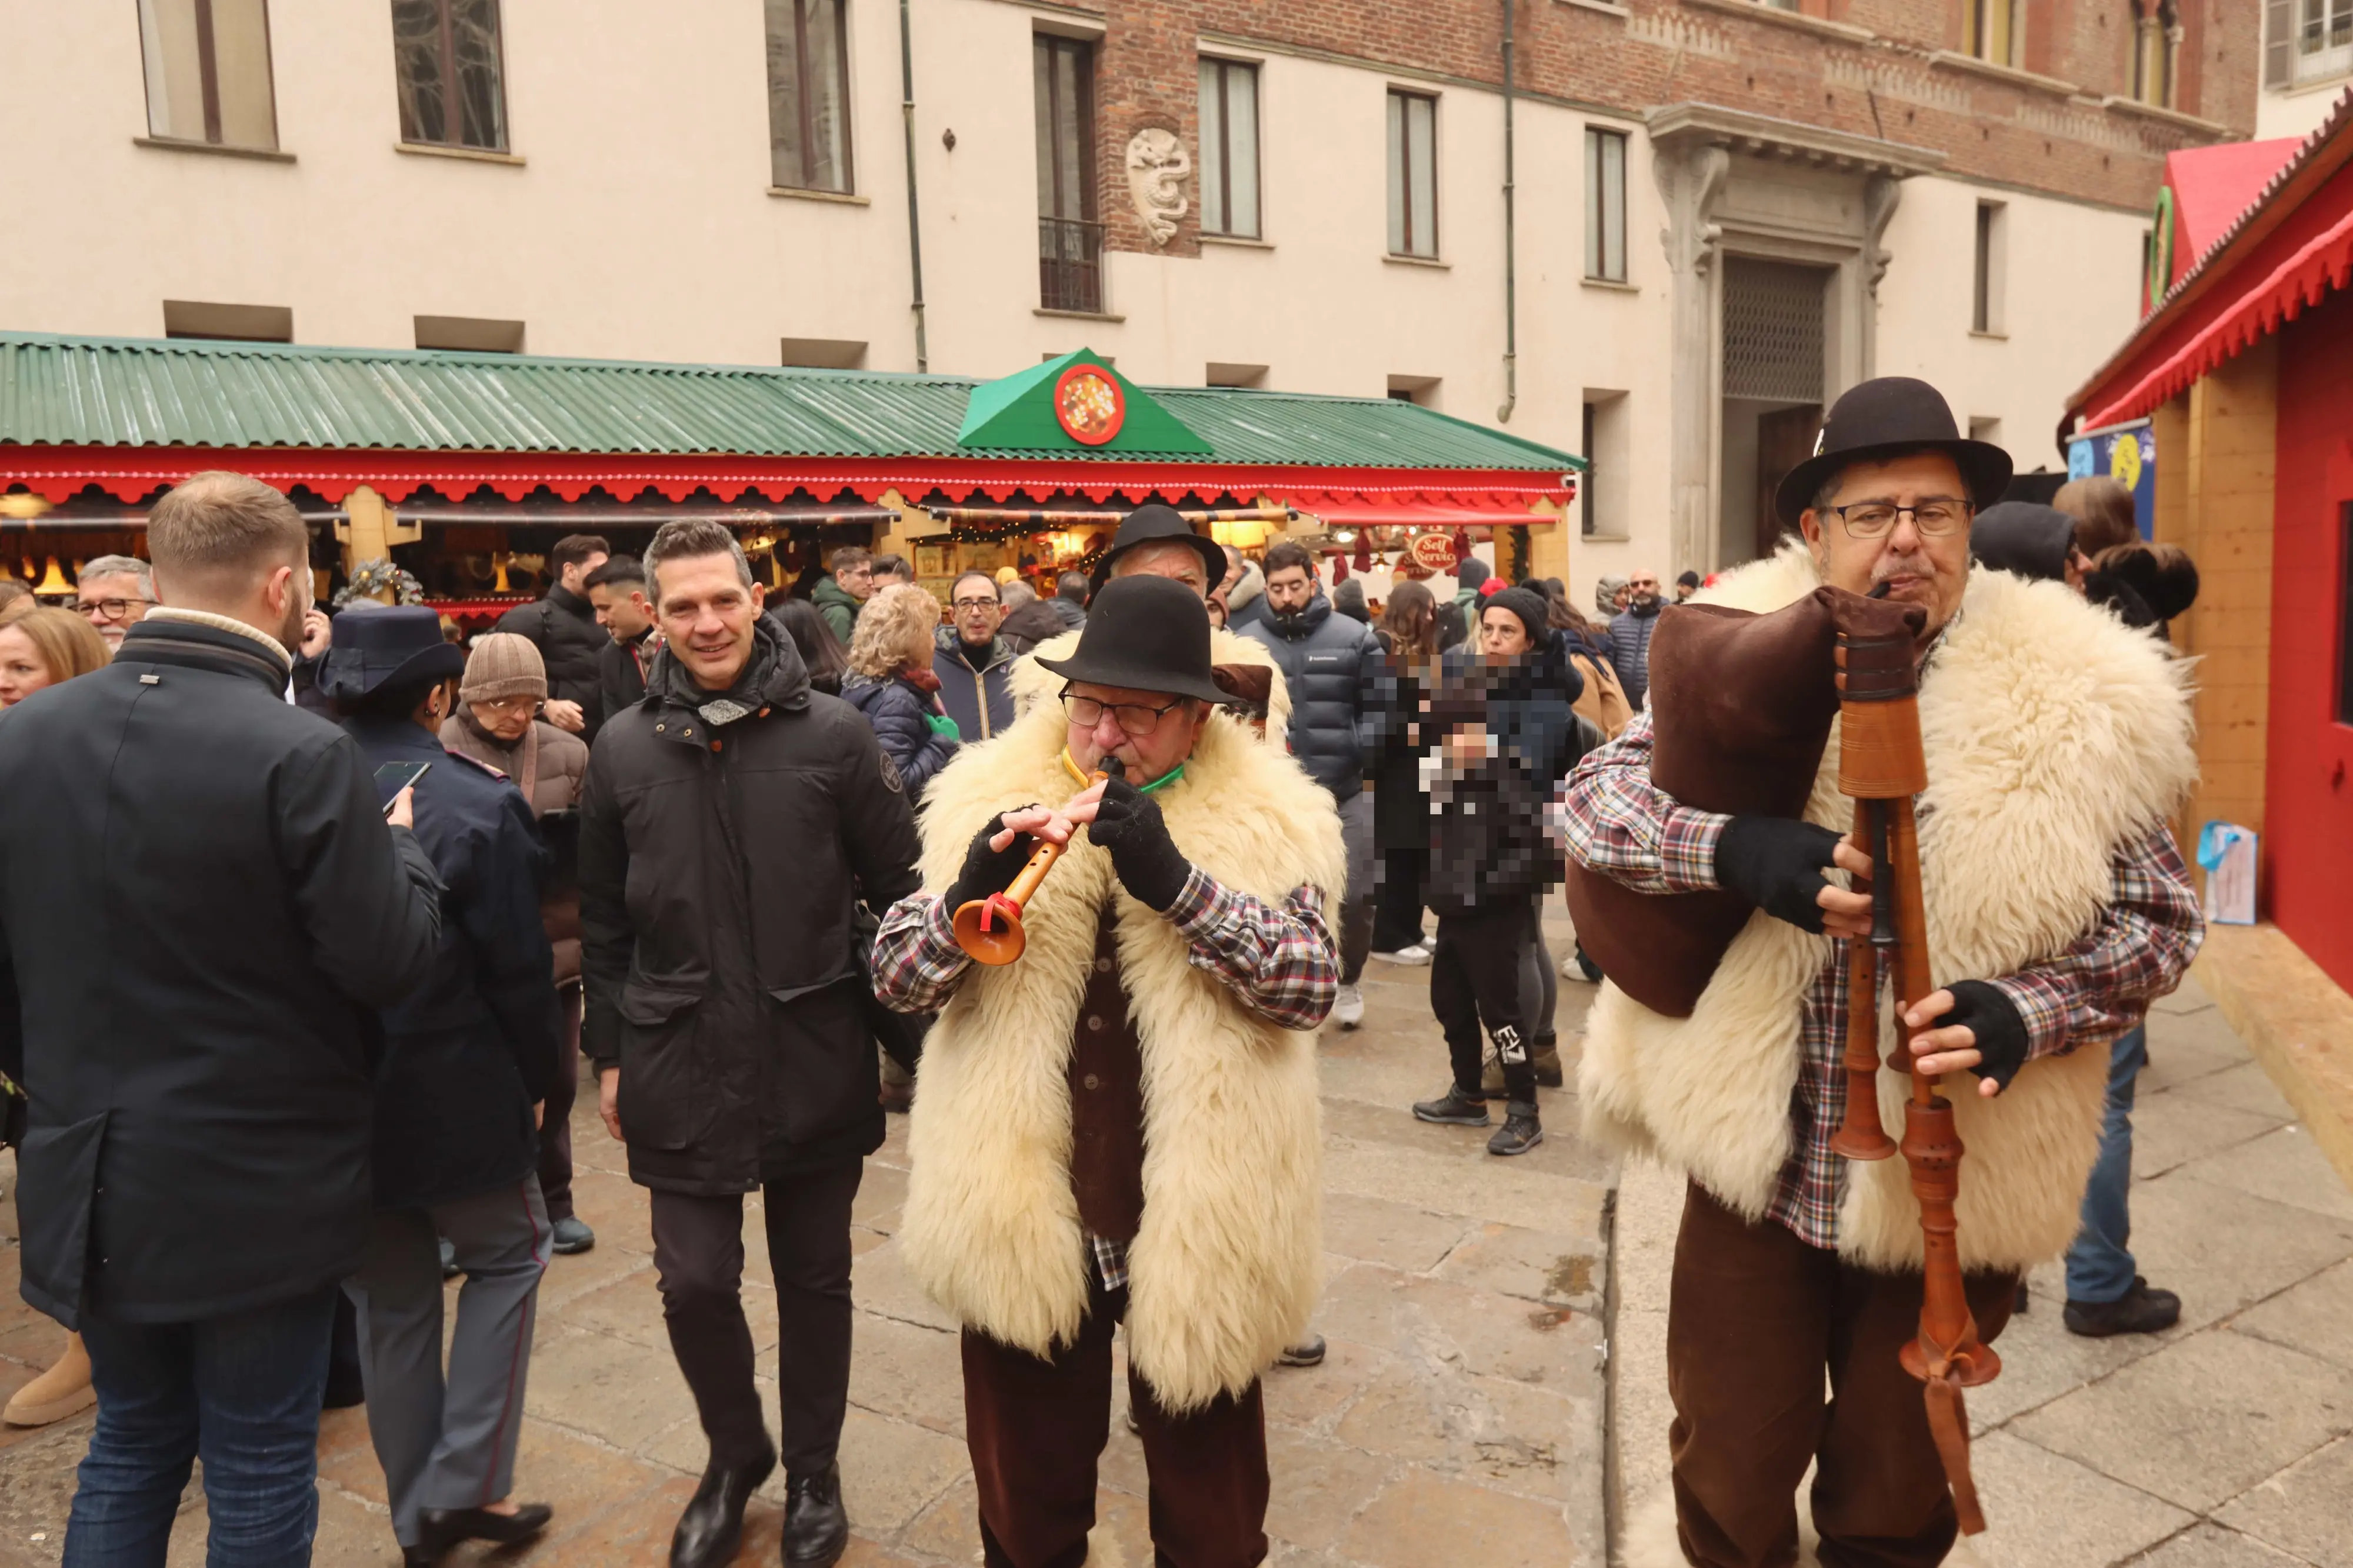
1134 718
975 604
531 705
108 609
1934 516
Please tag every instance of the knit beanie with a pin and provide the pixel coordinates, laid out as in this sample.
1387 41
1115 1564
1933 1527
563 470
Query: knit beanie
1526 603
502 664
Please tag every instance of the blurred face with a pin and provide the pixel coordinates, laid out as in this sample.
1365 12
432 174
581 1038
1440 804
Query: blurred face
976 610
1289 590
508 718
1501 635
621 611
1922 558
1165 558
570 576
113 605
1642 588
22 671
705 612
857 581
1116 710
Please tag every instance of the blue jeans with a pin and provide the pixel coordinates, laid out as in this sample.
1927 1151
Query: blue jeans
243 1391
2100 1264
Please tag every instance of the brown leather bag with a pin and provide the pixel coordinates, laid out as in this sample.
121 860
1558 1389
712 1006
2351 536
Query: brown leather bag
1741 707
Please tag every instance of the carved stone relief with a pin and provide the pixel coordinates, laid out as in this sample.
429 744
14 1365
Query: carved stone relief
1158 165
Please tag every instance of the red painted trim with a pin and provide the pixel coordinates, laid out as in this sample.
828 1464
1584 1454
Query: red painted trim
128 473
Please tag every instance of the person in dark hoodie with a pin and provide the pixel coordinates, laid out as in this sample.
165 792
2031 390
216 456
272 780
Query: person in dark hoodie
469 1057
727 1013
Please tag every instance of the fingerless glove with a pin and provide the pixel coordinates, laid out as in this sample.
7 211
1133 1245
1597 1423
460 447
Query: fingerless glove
1776 864
1128 823
1993 1017
988 871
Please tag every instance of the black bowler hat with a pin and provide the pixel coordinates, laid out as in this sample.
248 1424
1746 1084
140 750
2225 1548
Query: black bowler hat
1883 418
1145 633
397 644
2024 538
1152 522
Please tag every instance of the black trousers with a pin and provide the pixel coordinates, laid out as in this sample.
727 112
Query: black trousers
555 1126
699 1261
1396 899
1474 979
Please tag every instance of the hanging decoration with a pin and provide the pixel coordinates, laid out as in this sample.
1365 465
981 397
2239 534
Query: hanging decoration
373 579
1364 555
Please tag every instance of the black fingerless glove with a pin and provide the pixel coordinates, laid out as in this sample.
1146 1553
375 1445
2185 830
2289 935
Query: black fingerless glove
988 871
1128 823
1993 1017
1776 864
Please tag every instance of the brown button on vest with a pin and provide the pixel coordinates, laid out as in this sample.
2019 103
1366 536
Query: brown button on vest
1106 1075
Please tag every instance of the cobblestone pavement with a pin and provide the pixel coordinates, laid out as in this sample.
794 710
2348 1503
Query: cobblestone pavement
2222 1442
1457 1419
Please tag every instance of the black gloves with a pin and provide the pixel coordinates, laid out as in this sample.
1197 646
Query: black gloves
1776 864
988 871
1993 1017
1128 825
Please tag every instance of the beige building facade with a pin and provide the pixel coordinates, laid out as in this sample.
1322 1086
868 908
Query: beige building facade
1692 275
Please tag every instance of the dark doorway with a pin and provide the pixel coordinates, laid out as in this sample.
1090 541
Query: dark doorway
1776 366
1784 438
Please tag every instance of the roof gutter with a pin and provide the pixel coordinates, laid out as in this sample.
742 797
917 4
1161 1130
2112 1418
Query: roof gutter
1510 269
914 228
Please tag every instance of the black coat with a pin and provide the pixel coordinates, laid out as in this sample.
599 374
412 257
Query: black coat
202 906
467 1051
1330 666
901 715
718 872
1395 743
1487 843
621 673
563 626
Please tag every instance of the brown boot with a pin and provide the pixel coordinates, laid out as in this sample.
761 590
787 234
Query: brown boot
64 1390
1543 1055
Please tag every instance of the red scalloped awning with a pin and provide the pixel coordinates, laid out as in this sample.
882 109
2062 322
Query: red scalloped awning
1411 514
129 473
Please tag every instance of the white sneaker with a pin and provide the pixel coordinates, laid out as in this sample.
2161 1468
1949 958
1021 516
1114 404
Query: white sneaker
1416 955
1348 1008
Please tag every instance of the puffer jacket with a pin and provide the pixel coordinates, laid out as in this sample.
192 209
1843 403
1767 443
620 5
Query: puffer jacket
1629 648
1332 667
547 765
900 711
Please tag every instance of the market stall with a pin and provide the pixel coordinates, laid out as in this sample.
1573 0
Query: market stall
448 476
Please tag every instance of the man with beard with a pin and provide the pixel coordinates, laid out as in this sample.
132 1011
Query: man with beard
974 666
1629 634
2057 743
726 1012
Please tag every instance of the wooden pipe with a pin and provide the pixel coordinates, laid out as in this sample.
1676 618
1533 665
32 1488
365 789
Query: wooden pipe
1861 1136
989 929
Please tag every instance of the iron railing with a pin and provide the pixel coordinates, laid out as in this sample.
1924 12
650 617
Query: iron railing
1070 264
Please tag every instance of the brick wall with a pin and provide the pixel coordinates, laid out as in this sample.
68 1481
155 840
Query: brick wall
1669 51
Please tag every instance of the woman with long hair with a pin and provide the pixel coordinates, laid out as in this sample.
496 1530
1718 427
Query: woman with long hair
820 650
1408 638
42 648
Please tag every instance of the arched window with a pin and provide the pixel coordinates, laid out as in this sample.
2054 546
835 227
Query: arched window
2156 43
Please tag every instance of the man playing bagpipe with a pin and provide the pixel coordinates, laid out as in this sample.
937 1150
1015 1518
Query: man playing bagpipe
2054 743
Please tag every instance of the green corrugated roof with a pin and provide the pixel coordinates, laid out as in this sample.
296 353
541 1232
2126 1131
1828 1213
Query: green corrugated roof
141 391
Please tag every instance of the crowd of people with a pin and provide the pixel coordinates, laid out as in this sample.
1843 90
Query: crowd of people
274 1082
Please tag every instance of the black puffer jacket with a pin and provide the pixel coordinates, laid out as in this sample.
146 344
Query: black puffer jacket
1331 666
563 626
718 872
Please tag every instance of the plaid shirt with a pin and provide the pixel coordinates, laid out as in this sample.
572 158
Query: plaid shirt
1616 822
1279 962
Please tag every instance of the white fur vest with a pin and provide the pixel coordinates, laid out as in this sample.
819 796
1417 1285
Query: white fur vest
2053 734
1226 1265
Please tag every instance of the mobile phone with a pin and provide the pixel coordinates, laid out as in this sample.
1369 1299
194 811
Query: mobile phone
393 777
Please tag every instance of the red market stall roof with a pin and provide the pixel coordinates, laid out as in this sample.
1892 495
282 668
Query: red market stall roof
2286 250
128 415
2206 189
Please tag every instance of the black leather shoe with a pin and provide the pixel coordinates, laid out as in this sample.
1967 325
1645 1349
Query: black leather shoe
712 1524
2139 1310
816 1526
1454 1108
443 1528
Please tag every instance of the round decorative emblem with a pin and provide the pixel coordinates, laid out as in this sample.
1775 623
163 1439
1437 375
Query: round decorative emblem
2124 460
1434 551
1089 406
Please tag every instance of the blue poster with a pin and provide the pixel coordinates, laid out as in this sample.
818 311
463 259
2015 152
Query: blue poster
2128 454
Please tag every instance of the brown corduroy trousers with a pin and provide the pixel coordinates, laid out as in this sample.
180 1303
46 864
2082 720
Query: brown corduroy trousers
1037 1428
1755 1320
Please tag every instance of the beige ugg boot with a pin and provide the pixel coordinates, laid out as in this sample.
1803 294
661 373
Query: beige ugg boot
64 1390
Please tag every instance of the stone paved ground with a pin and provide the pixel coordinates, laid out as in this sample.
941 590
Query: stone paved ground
2220 1444
1457 1418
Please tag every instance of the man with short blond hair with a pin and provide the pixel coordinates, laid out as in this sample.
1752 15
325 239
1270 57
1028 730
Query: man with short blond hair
726 1012
113 591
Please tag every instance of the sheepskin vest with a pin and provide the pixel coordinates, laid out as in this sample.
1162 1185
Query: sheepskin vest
2053 734
1225 1265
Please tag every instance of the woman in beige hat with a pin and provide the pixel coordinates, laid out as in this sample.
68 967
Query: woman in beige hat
497 721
